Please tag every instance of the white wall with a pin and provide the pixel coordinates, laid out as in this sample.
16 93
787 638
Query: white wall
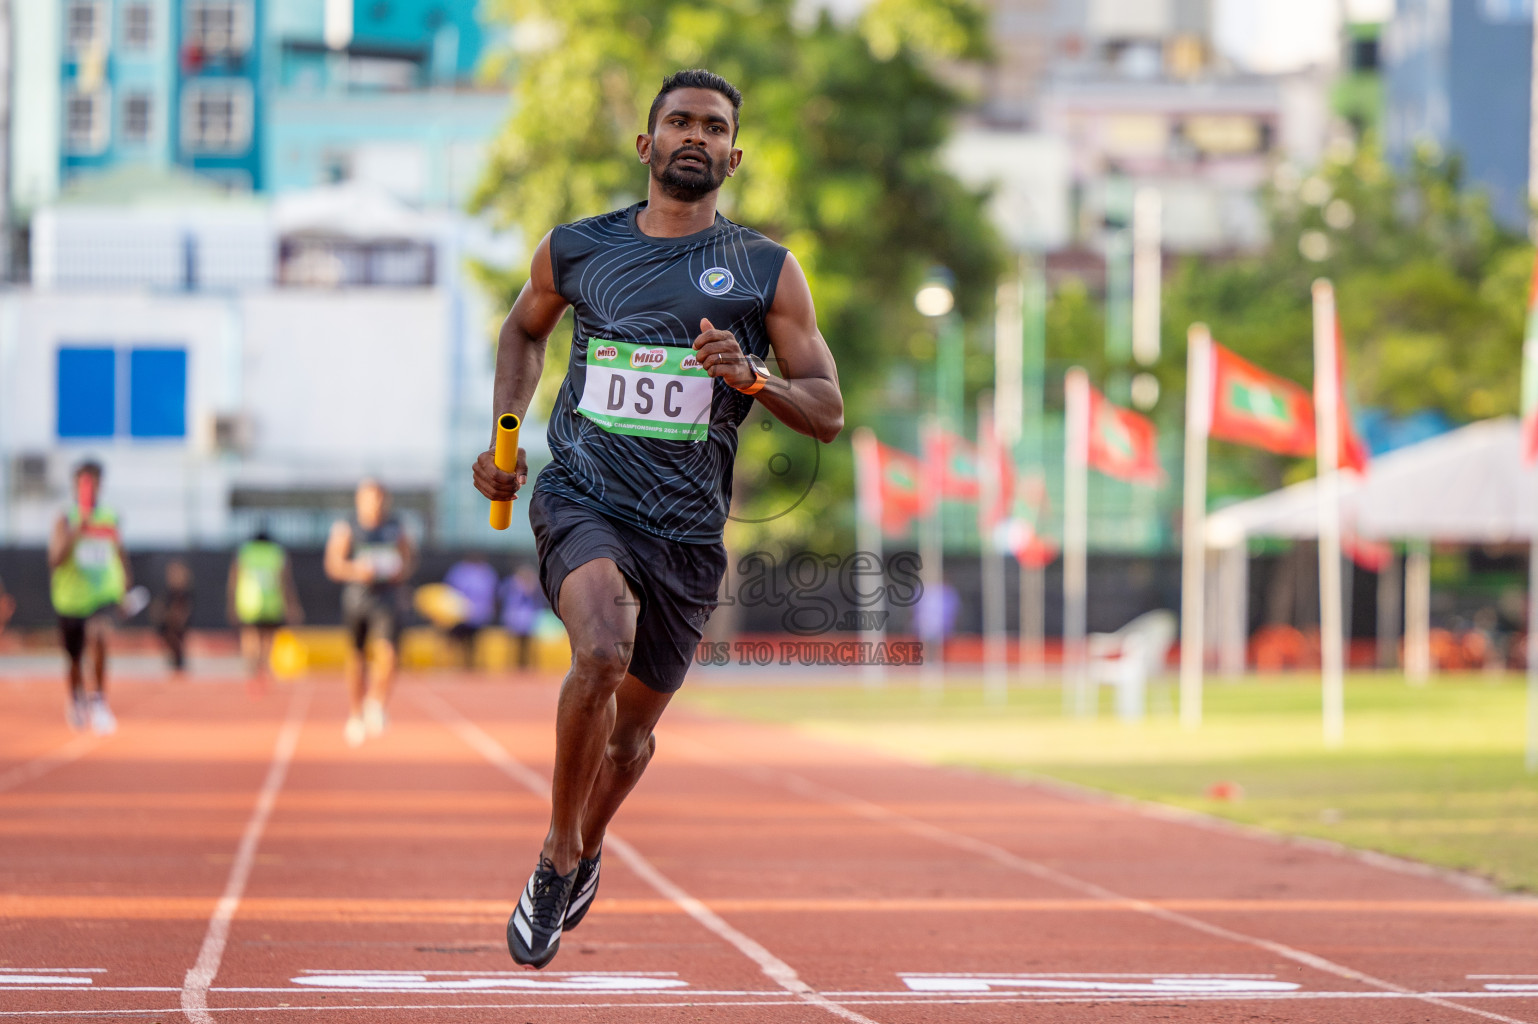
335 384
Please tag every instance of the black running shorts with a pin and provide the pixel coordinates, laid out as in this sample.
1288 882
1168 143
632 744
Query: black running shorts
677 583
72 631
369 613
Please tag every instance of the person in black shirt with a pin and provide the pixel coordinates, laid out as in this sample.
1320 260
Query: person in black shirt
372 555
676 310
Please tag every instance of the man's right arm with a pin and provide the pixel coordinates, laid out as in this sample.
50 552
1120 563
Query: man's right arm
520 359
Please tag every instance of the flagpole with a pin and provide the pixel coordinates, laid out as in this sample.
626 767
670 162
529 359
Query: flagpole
995 689
932 569
1193 543
1327 449
868 543
1033 579
1008 407
1075 540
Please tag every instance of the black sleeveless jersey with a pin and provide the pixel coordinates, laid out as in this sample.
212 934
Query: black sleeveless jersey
640 432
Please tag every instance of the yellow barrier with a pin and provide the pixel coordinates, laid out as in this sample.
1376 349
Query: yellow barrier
321 649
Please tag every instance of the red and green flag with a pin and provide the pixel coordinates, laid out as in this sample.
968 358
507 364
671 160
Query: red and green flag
1122 444
1253 407
1022 530
959 464
891 483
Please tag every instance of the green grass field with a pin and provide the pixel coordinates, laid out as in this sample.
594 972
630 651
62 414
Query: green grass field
1434 773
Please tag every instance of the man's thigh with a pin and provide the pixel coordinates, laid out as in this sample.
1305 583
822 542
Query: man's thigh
597 604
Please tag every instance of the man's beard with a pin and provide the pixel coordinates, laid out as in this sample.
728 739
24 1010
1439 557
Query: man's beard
686 184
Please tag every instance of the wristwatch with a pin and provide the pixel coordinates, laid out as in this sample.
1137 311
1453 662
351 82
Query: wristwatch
760 376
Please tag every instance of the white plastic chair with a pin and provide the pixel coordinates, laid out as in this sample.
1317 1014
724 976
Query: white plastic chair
1126 658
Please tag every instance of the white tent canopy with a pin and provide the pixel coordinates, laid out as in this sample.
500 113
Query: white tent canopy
1468 485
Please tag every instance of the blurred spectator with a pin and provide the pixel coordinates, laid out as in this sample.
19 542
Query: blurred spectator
936 611
173 613
522 601
260 597
475 580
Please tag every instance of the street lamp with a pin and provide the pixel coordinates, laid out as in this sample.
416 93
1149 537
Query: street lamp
936 299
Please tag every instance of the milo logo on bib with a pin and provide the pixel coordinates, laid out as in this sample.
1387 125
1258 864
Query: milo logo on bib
648 391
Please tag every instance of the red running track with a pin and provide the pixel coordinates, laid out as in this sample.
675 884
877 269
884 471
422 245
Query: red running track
224 860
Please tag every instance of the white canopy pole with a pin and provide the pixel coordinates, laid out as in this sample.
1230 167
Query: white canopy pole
1532 656
1234 609
1417 613
1075 540
1193 540
1327 450
1388 613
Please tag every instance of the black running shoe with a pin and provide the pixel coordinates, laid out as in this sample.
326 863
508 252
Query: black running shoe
534 930
583 890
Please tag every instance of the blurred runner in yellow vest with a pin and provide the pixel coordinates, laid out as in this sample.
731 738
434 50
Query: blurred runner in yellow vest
90 576
259 599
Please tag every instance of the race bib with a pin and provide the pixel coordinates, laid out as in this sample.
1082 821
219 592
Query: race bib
646 390
385 561
93 553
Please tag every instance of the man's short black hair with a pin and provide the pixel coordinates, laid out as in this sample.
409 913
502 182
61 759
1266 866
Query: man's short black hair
90 466
695 78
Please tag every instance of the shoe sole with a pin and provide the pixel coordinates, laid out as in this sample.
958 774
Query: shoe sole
522 955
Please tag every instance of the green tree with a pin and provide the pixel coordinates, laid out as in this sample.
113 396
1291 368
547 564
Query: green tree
841 127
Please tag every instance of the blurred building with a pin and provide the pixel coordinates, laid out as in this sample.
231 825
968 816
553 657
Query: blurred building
246 258
255 95
1459 76
1134 95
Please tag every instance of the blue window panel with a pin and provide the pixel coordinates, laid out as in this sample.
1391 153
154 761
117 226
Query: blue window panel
87 391
157 392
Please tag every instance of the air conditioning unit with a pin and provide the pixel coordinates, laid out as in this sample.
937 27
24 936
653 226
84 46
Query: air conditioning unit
29 476
229 433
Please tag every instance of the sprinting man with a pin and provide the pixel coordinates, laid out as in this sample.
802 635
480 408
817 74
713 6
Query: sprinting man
260 598
90 576
676 308
373 556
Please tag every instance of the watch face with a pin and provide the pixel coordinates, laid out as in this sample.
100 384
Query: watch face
759 366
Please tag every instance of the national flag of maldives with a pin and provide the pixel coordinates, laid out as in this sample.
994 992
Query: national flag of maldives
958 462
1021 533
1530 376
897 487
1122 444
1260 409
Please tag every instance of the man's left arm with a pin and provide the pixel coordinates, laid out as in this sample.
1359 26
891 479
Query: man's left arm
806 397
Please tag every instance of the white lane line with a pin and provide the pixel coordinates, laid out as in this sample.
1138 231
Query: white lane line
781 999
914 826
201 974
39 766
777 970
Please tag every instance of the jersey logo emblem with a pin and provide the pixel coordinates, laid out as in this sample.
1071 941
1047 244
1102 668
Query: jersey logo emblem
716 281
648 357
605 352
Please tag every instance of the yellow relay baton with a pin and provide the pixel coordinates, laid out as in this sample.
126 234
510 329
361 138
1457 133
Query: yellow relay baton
506 458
